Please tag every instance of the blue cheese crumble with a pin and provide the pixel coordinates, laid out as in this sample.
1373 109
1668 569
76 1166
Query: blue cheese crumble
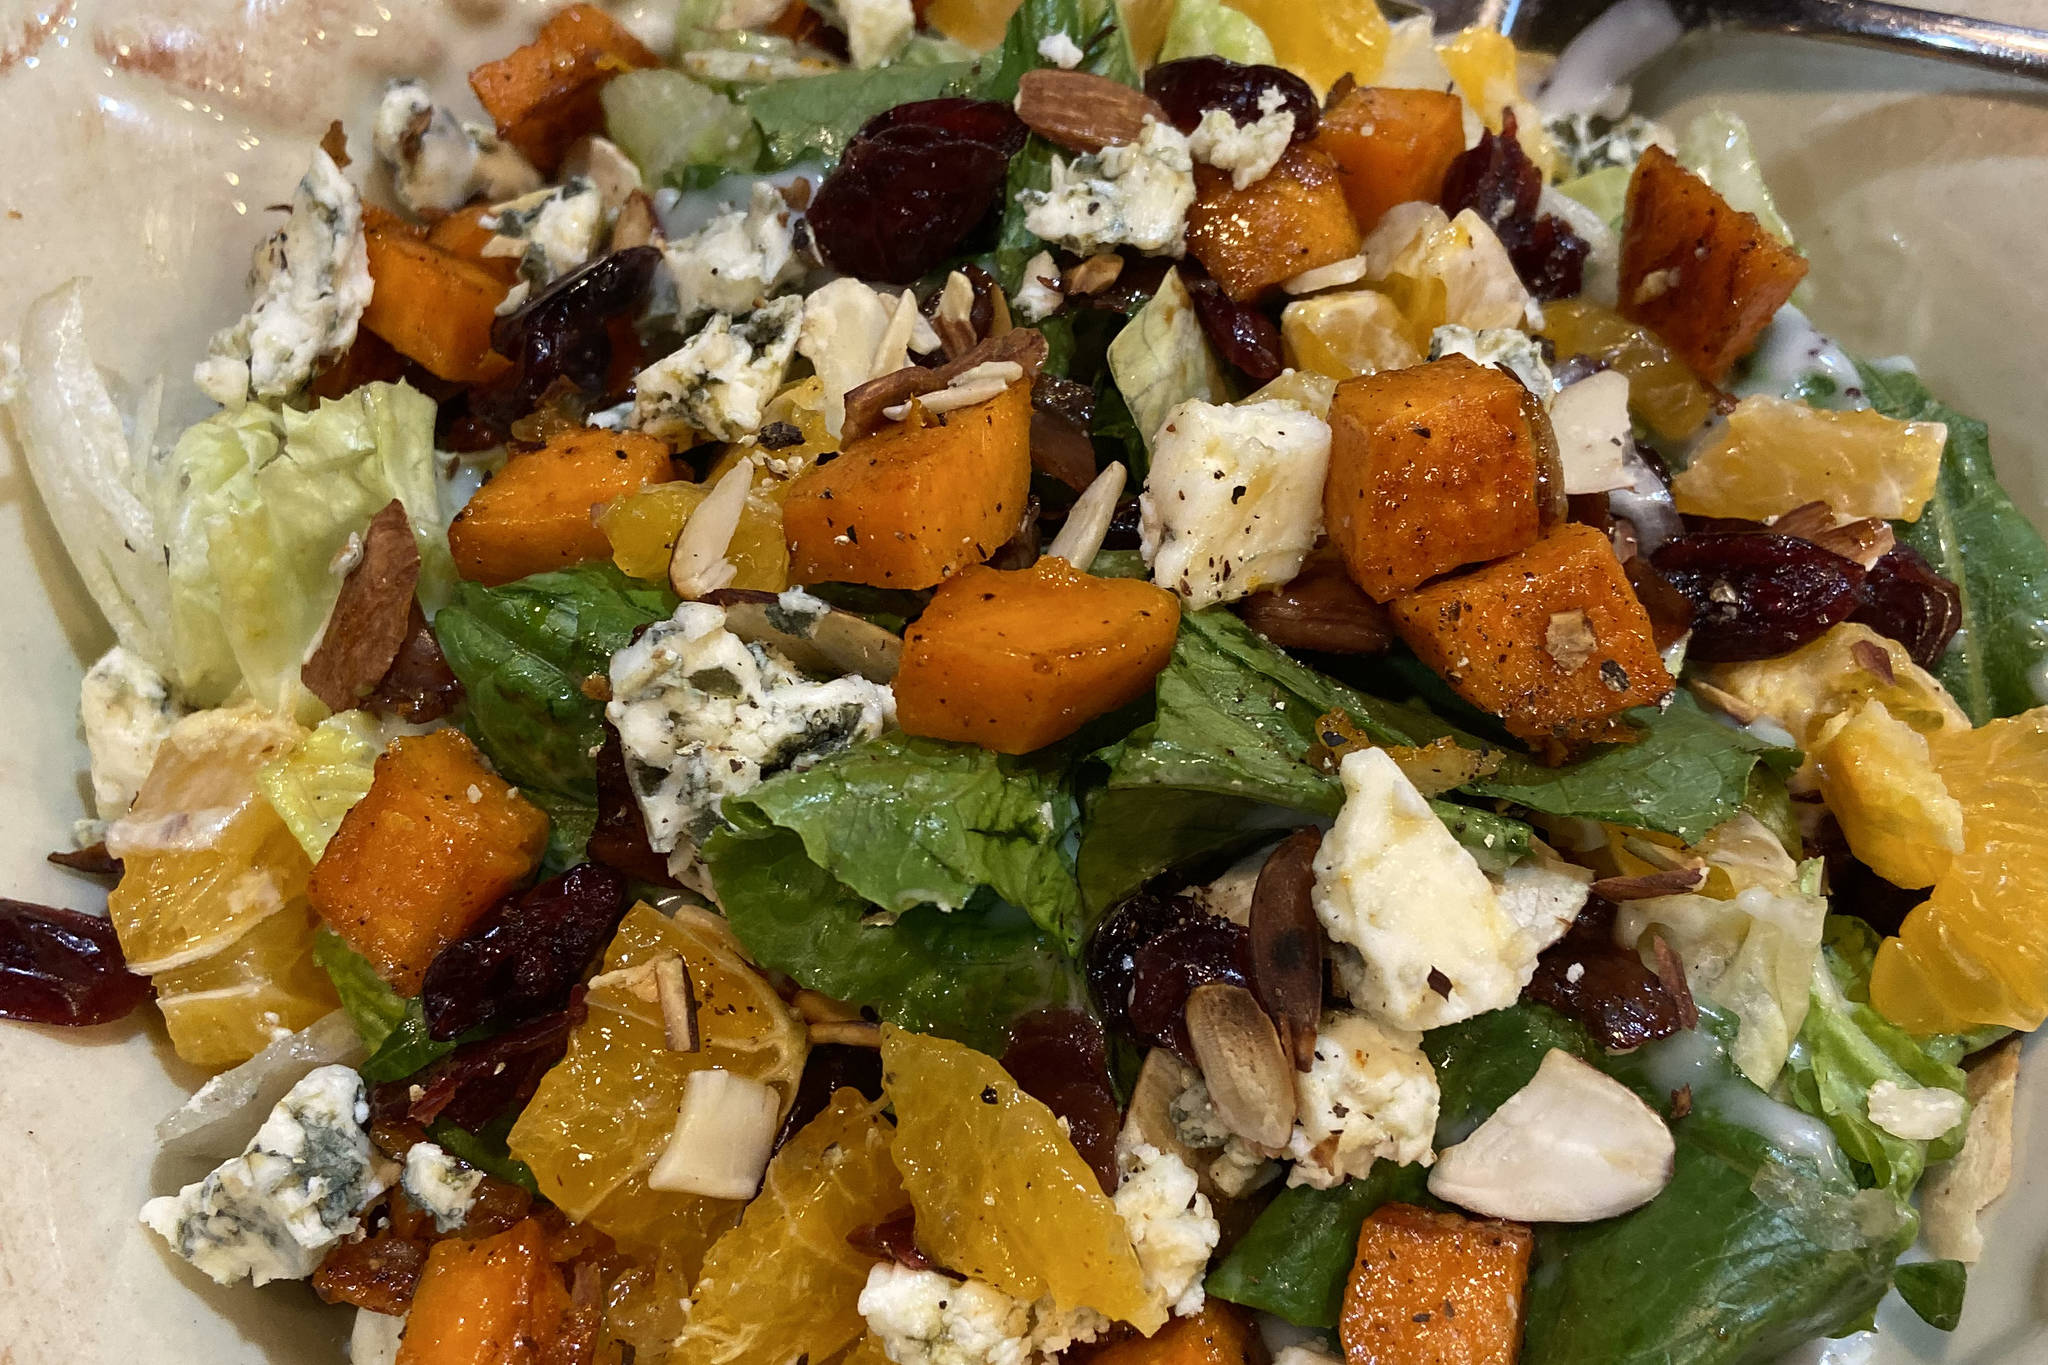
438 162
718 383
274 1211
439 1184
311 279
737 261
703 715
550 232
127 710
1249 151
1134 194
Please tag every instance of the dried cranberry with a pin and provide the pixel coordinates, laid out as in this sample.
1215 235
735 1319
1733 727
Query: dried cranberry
1192 86
92 861
378 1273
1150 954
63 967
1588 977
619 839
913 182
893 1239
1497 181
1757 596
484 1080
1904 597
570 331
523 958
1671 611
829 1068
1060 1056
1243 335
419 686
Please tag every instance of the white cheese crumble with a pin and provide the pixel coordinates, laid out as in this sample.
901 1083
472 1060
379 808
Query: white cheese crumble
439 1184
439 163
1510 348
550 232
920 1317
1430 943
718 383
127 709
311 279
1249 151
1595 438
1370 1095
1038 296
1542 898
737 261
1061 50
273 1212
704 715
1172 1227
1133 194
1234 499
1916 1113
374 1338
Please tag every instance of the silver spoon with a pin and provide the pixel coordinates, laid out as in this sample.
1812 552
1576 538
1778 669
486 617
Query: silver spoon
1550 25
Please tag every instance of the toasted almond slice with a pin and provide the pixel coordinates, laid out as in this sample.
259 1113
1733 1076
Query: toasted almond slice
850 1032
1250 1079
1865 541
368 622
678 1000
1080 112
1671 881
1287 944
1087 525
1805 521
698 564
1093 275
954 320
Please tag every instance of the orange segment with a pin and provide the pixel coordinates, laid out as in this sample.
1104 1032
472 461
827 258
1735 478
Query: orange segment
1485 65
1662 389
1343 335
784 1284
1775 455
1805 689
1324 41
226 1008
1000 1193
1878 778
642 528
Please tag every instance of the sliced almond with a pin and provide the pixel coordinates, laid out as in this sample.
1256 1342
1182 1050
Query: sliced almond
1876 661
1865 541
724 1133
867 404
637 224
1727 703
698 564
831 642
1569 639
1250 1077
1083 113
816 1007
1287 944
1671 881
368 623
1093 275
847 1032
1805 521
1087 524
954 319
678 1000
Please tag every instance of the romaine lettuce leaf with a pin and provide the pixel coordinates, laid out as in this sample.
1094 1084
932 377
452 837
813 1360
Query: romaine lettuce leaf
1717 148
523 651
815 117
671 125
1973 535
312 787
373 1007
1204 28
964 973
1934 1290
254 506
1093 26
905 822
1296 1258
1162 358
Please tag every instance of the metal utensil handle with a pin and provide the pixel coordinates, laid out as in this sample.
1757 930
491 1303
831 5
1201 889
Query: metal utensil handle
1978 42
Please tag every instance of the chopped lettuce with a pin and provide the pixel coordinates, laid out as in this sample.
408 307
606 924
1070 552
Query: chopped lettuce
1162 358
1716 147
964 973
255 506
374 1008
1093 26
1210 28
1604 191
813 119
314 785
671 125
1295 1260
1934 1290
905 822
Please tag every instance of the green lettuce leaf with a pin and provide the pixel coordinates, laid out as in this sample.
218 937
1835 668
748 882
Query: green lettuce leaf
313 787
1296 1258
813 119
1845 1047
673 126
1974 536
374 1008
1163 358
964 973
254 505
1716 147
523 651
905 822
1934 1290
1204 28
1092 24
486 1150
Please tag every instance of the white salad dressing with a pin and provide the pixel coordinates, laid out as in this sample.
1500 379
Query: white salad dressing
1791 355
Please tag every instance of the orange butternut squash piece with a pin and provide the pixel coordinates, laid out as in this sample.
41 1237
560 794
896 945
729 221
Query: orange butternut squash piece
1435 1289
1391 147
1696 271
1433 467
1013 660
497 1301
919 499
1220 1334
1295 219
438 840
432 305
1552 640
462 233
545 95
535 513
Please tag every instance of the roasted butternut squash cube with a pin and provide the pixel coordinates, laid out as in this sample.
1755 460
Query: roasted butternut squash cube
1552 640
1434 467
1392 147
462 233
438 840
1295 219
432 305
535 513
545 95
495 1301
1435 1289
1013 660
1220 1334
1698 272
916 501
